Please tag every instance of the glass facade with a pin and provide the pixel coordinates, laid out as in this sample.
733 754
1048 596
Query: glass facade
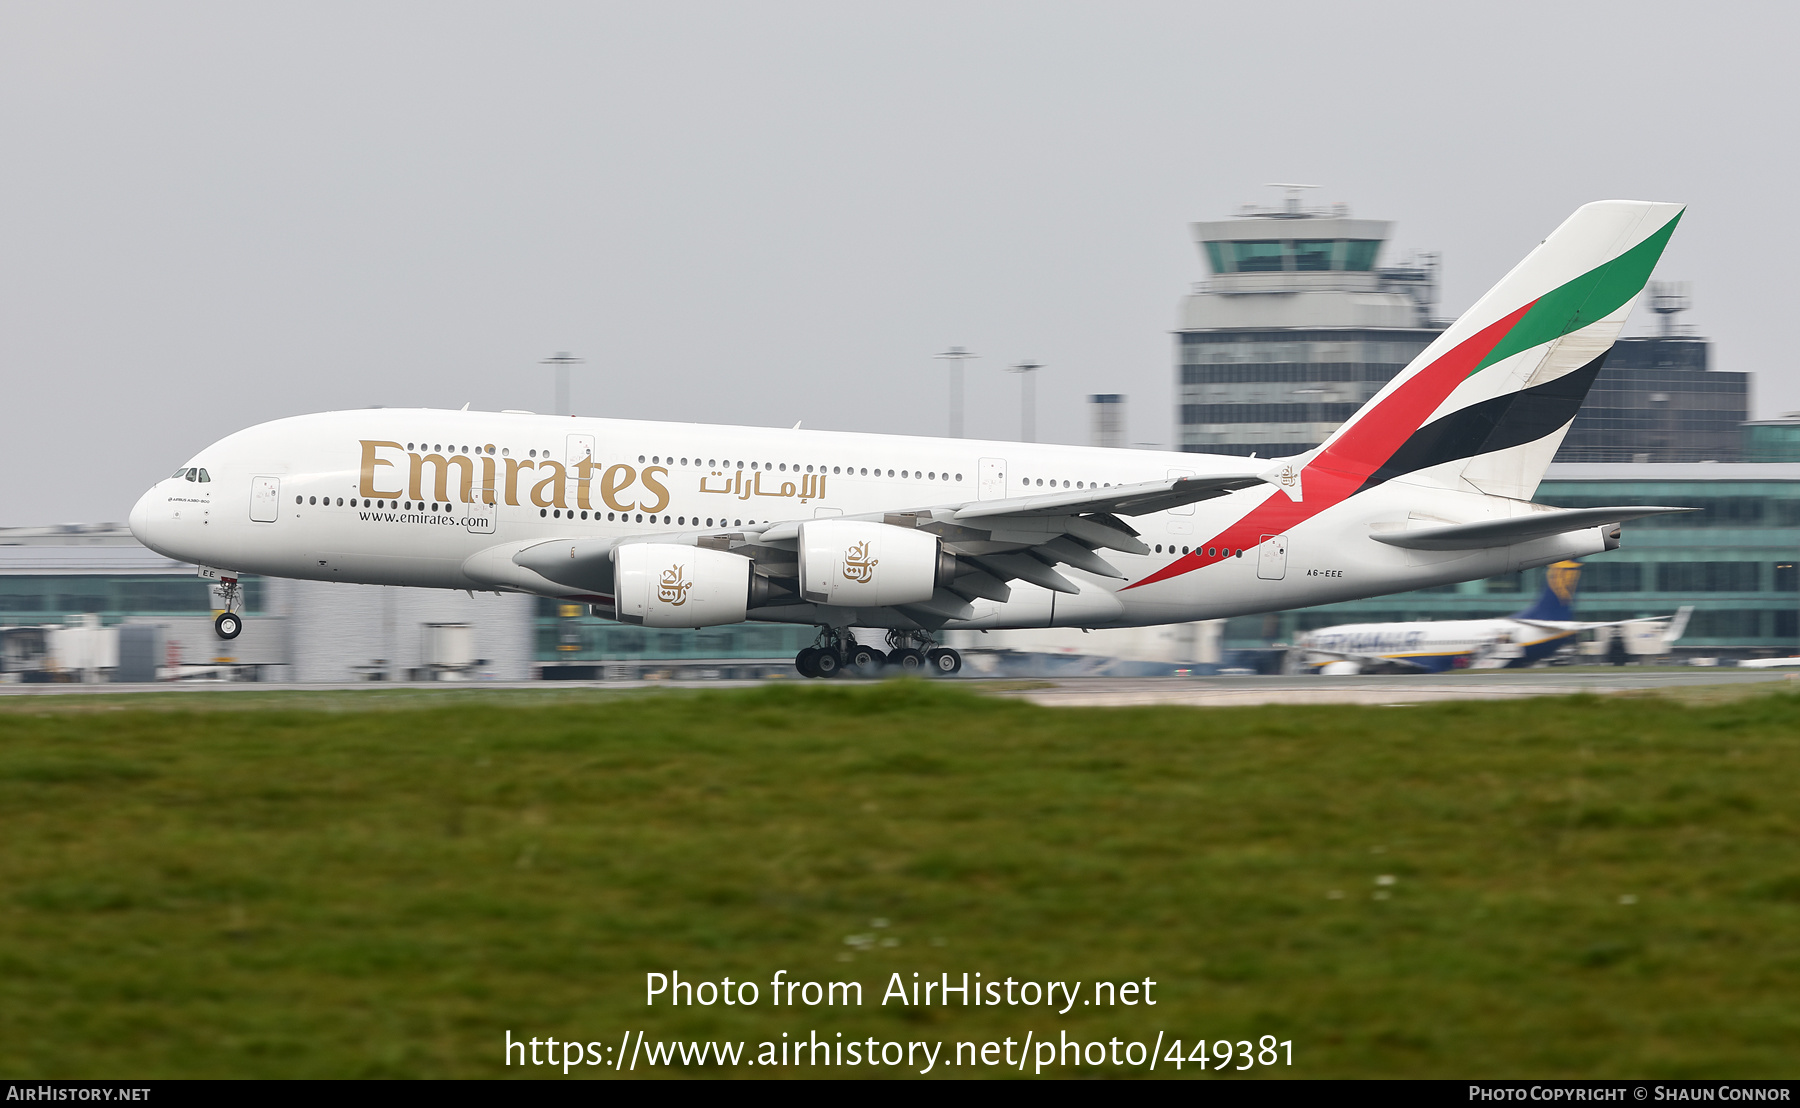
1734 562
1774 440
1655 400
1275 392
41 598
1293 255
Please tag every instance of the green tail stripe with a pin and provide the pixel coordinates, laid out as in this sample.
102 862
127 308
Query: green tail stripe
1590 297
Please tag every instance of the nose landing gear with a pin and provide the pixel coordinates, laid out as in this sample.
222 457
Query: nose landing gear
228 624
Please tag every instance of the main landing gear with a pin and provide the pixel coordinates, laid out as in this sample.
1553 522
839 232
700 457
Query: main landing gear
836 654
229 625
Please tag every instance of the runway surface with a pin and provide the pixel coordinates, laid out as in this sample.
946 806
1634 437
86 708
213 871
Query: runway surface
1113 691
1237 691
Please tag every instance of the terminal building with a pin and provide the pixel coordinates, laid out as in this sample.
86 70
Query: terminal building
1657 399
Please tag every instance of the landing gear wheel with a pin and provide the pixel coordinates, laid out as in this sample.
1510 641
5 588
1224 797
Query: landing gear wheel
945 662
807 662
866 661
908 661
828 664
229 625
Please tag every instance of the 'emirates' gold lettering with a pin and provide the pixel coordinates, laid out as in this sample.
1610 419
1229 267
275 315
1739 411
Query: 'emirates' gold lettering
513 466
655 486
553 483
584 477
550 487
614 480
370 461
441 491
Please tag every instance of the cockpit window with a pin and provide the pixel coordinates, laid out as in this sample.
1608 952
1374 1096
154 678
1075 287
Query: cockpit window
193 475
203 476
178 474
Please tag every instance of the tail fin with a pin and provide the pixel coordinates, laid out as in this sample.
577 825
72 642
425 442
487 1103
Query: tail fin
1557 601
1485 406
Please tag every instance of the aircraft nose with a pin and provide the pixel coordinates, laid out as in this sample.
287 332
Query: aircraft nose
140 519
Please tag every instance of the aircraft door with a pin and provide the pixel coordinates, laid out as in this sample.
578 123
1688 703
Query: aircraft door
993 479
580 446
1185 509
265 499
1271 558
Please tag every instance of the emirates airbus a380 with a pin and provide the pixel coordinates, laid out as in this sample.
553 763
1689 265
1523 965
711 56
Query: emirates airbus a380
900 537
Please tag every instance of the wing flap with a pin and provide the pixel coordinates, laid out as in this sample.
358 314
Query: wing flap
1025 568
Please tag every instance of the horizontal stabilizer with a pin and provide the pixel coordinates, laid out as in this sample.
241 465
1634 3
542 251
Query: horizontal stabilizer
1516 529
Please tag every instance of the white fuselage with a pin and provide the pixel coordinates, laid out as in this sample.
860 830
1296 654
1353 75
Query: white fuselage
1432 644
444 496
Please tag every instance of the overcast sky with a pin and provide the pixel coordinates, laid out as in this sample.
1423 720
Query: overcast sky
218 214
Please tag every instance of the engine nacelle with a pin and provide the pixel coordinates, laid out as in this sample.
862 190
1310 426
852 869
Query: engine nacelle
665 585
870 565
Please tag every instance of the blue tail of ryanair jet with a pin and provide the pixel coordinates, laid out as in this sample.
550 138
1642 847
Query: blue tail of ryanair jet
1557 601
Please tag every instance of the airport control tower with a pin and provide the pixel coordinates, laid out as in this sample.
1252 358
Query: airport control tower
1297 327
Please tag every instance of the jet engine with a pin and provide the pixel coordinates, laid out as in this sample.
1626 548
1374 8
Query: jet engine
665 585
870 565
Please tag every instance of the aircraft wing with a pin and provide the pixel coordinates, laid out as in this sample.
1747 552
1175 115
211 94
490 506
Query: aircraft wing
1129 500
1516 529
1022 538
1677 623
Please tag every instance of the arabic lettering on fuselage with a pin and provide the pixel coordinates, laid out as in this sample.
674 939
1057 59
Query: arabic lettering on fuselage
811 487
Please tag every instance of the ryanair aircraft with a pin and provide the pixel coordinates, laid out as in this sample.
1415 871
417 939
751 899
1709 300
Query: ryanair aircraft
1433 646
689 525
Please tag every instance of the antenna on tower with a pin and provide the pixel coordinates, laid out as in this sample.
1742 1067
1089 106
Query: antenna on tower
1668 299
1290 206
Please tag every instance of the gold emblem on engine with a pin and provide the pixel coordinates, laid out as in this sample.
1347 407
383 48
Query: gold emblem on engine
858 566
672 589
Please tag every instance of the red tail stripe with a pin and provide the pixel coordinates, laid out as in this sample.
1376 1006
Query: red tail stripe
1340 469
1372 440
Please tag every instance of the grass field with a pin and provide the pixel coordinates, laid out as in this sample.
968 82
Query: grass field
370 884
